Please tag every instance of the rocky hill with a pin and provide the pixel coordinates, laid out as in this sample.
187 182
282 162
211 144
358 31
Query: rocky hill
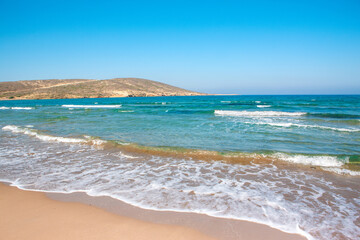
88 88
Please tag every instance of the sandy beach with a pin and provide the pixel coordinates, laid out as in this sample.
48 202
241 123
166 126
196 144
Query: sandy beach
33 215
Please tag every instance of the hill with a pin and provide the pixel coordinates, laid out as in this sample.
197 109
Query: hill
88 88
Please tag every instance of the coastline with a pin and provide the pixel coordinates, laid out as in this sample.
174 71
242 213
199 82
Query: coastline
88 88
23 210
288 166
32 215
135 96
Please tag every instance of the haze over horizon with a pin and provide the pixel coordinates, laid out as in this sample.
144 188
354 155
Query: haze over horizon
262 47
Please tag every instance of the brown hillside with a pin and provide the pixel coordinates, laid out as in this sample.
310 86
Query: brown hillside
87 88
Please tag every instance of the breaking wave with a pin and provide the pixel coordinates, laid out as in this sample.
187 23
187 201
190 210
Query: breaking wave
182 153
16 108
321 161
257 113
49 138
305 126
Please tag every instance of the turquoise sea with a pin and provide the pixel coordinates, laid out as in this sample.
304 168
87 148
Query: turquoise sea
291 162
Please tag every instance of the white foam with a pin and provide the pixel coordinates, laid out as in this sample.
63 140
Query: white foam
214 188
98 142
278 124
33 133
95 141
91 106
122 155
127 111
49 138
16 108
22 108
341 171
305 126
257 113
263 106
322 161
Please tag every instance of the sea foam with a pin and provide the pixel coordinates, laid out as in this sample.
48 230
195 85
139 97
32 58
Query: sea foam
16 108
341 171
33 133
48 138
215 188
322 161
257 113
305 126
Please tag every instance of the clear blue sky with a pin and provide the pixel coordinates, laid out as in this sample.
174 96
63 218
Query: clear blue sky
245 47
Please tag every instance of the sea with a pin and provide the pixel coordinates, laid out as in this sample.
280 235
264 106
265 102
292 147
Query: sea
290 162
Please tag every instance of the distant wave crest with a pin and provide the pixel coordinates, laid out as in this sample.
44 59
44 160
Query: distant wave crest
306 126
16 108
257 113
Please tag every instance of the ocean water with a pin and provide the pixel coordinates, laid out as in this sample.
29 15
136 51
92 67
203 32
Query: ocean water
291 162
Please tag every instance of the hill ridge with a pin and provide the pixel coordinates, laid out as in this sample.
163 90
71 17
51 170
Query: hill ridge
89 88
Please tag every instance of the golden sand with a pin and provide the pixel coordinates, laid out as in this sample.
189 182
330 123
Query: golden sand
31 215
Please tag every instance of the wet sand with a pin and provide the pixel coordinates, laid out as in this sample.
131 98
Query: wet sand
35 215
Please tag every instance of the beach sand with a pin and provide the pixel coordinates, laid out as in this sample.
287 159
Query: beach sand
36 215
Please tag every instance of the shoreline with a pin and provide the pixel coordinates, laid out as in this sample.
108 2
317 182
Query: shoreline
200 226
194 95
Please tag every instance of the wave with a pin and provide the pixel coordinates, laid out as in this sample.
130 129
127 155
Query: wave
190 111
263 106
321 161
306 126
91 106
341 171
257 113
49 138
278 113
196 154
16 108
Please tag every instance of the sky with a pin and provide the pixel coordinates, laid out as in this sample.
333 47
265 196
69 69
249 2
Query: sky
240 47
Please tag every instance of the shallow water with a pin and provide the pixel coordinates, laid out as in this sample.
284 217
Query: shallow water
309 183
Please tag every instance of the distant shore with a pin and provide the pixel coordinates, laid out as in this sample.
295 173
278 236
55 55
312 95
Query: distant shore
203 94
36 215
89 88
